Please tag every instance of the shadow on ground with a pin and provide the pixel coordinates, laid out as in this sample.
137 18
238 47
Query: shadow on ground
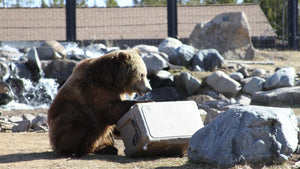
23 157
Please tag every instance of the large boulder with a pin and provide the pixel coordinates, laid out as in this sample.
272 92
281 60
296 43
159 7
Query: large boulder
228 33
223 84
246 134
284 96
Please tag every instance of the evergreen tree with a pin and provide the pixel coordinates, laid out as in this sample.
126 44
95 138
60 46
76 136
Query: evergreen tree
273 10
111 3
149 2
219 1
81 3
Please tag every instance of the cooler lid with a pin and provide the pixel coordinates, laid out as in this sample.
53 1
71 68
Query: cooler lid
171 119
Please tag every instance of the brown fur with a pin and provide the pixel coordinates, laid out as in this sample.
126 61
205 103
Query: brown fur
84 111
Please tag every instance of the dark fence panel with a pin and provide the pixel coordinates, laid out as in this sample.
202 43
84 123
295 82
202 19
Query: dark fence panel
127 25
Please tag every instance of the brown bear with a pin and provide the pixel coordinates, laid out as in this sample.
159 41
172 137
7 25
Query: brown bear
81 118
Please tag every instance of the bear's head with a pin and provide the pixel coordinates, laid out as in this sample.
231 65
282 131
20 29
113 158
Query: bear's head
120 71
138 82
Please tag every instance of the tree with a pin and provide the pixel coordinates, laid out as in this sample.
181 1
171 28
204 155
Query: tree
250 1
193 2
81 3
111 3
219 1
149 2
273 9
56 3
44 5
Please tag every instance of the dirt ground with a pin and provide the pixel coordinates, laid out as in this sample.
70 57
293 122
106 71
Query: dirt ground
32 150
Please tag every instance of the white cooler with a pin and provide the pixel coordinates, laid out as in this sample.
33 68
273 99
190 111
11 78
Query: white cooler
159 128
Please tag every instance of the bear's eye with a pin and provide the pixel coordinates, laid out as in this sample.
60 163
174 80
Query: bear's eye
142 75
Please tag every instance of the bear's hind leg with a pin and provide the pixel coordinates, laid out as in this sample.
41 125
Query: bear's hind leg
73 134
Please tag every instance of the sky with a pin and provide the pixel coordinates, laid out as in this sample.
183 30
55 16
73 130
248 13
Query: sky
100 3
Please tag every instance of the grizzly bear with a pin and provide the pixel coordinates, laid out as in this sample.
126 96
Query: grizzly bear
83 114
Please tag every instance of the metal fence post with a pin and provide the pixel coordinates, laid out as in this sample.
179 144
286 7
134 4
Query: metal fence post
71 20
293 24
172 18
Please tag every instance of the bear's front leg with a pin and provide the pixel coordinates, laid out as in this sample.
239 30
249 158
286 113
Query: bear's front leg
118 109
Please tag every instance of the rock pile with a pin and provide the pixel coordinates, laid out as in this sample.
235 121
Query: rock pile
246 134
24 123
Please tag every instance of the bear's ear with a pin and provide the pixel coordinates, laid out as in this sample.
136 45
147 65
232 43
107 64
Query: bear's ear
137 50
124 55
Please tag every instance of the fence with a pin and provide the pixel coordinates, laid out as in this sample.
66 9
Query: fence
129 25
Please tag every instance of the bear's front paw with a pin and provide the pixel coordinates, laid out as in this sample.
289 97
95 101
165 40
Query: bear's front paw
107 150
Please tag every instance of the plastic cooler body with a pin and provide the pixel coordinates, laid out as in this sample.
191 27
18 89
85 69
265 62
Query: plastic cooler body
159 128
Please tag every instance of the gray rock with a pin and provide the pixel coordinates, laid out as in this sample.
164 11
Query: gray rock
246 134
39 123
255 84
40 120
198 68
147 48
244 70
285 96
168 46
19 70
50 50
243 100
17 86
184 53
238 76
211 115
222 83
60 70
4 71
284 77
161 94
154 63
34 64
229 33
15 119
209 59
28 117
258 72
22 126
6 93
297 83
161 79
189 83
